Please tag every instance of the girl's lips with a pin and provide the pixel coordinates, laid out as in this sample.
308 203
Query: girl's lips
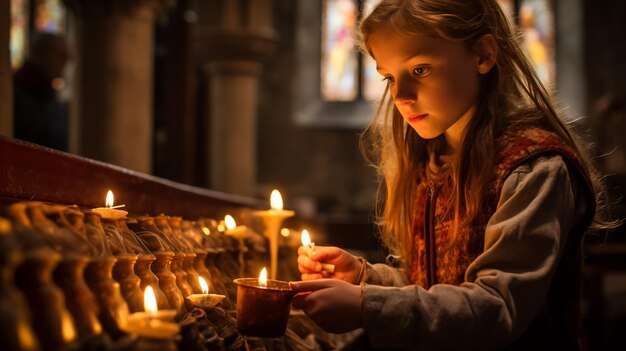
415 118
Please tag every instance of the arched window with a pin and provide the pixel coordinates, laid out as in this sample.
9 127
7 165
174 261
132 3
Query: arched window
338 85
30 16
346 73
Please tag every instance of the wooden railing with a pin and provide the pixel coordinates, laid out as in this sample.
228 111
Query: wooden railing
32 172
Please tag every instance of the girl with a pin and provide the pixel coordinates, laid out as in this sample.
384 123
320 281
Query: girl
486 193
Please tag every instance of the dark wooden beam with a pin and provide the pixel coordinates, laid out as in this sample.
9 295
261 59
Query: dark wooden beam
32 172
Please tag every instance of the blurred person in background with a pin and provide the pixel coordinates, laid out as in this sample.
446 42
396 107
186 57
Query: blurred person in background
39 115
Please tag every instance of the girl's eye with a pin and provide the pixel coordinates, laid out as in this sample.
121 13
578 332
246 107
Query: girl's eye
420 71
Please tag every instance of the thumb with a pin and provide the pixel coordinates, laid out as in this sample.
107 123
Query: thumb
311 285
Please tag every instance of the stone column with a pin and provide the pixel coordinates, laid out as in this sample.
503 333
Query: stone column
111 115
570 57
235 36
6 82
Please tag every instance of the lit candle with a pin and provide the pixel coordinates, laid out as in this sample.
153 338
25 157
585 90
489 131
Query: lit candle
152 323
203 285
263 278
272 220
238 231
149 301
306 242
110 211
263 306
204 300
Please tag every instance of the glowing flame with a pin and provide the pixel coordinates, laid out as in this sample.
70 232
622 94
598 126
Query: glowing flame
203 285
230 223
110 199
276 201
306 239
149 300
206 231
263 278
285 232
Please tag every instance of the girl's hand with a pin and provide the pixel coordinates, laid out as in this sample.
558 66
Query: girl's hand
347 266
333 304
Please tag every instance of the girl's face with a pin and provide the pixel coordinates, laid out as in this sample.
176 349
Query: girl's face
433 82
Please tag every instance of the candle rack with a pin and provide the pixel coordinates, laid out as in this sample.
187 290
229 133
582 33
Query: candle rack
81 272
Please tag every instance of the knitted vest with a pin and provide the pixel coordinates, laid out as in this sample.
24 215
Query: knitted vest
433 262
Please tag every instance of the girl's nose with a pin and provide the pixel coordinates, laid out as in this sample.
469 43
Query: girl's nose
406 92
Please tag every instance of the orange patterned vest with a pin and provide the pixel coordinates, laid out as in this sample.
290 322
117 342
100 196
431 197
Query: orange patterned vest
432 263
557 325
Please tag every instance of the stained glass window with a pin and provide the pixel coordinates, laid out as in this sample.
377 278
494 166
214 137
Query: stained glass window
50 16
18 44
339 53
346 73
537 23
373 84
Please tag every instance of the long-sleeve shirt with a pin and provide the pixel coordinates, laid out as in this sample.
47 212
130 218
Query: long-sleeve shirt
504 287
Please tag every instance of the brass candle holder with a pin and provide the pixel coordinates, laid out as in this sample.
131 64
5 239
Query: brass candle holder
15 320
272 220
113 308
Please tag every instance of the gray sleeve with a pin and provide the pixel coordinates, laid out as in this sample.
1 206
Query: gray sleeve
504 287
383 274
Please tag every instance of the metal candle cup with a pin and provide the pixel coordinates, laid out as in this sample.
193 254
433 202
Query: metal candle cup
263 311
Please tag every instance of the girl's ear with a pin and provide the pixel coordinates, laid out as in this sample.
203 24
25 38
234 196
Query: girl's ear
486 51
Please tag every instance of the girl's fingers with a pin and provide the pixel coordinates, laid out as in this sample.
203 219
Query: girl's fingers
299 301
312 285
311 276
305 264
302 251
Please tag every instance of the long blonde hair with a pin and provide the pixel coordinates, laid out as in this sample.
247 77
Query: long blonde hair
511 93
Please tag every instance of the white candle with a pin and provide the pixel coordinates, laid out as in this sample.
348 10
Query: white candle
204 300
152 323
310 245
238 231
272 220
110 211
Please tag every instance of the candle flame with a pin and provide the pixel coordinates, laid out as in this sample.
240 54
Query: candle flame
110 199
230 223
206 231
149 300
263 278
276 201
306 239
203 285
285 232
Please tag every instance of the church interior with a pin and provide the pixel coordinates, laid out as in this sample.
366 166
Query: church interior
191 111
